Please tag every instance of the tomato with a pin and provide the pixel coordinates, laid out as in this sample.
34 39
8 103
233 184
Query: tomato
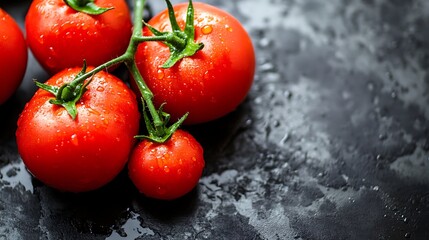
85 153
61 37
167 170
211 83
13 56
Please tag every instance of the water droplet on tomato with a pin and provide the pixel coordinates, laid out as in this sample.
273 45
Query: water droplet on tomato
84 27
160 190
207 29
51 62
160 74
105 121
52 51
100 88
228 28
206 75
166 169
41 39
93 111
74 140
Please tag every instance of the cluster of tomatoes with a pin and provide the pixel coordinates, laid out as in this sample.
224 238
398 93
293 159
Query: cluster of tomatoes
86 151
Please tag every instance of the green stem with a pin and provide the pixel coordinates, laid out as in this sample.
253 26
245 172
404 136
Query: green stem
105 65
128 59
68 94
171 38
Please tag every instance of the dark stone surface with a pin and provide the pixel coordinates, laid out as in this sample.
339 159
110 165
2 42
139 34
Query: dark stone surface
331 143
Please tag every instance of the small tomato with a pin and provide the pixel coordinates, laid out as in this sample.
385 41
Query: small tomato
167 170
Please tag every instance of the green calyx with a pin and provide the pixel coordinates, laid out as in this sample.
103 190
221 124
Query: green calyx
86 6
159 132
181 43
68 94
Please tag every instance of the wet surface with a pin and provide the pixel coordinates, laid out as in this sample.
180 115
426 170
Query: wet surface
331 143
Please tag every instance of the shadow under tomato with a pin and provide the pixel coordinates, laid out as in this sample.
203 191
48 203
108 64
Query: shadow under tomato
166 210
89 212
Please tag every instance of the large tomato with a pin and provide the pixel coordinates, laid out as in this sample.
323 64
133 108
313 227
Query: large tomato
85 153
61 37
167 170
13 56
211 83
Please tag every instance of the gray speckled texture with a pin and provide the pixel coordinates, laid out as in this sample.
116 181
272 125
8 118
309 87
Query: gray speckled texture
331 143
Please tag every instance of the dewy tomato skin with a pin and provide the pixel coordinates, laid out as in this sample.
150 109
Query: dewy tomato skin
13 56
61 37
88 152
209 84
167 170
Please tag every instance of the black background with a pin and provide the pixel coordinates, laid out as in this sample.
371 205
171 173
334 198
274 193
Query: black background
331 143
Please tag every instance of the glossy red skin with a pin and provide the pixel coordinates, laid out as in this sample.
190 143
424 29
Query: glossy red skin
13 56
61 37
88 152
169 170
214 81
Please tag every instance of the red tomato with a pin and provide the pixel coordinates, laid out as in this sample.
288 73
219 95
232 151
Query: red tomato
13 56
61 37
85 153
167 170
211 83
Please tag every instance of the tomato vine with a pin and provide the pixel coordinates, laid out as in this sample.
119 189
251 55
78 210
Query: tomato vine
181 45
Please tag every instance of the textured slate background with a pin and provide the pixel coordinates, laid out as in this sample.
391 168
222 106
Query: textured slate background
331 143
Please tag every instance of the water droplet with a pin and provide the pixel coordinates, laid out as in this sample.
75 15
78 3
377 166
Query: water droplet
407 235
41 39
166 169
207 29
228 28
160 190
52 51
206 75
266 67
284 139
93 111
100 88
382 137
288 94
74 140
258 100
105 121
264 42
160 74
51 62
